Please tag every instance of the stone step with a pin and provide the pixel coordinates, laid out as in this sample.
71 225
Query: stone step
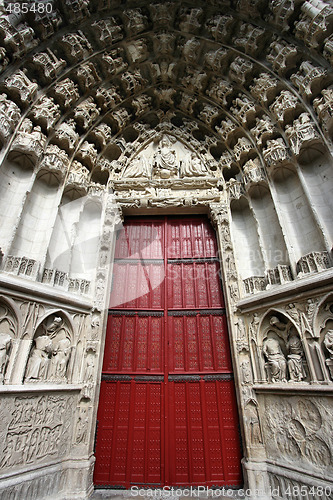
172 494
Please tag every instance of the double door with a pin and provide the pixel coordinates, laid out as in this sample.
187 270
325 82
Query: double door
167 412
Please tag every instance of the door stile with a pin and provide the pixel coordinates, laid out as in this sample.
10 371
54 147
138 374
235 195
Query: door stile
130 433
166 357
189 433
205 431
221 428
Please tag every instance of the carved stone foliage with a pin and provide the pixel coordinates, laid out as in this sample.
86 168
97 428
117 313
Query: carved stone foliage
35 428
50 355
297 431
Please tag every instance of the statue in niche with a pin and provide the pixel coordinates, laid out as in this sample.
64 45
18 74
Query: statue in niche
276 364
59 360
295 359
54 327
50 356
328 342
5 345
81 426
193 167
38 363
165 159
252 418
137 168
90 368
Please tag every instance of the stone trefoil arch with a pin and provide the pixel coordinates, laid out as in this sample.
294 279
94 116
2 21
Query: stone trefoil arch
116 108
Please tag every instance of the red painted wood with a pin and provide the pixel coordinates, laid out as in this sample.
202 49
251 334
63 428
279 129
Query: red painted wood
167 318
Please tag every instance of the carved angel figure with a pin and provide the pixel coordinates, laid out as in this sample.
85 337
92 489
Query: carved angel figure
276 362
5 343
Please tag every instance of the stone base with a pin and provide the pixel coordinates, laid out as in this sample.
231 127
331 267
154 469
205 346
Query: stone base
70 480
293 483
257 486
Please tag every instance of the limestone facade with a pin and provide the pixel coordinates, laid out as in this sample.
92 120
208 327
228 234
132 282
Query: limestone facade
110 108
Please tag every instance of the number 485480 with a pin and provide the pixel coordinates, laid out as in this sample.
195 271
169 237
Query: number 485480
25 7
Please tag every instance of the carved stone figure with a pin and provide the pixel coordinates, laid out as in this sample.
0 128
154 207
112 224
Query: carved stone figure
192 166
276 364
54 327
9 117
39 359
137 168
252 418
5 345
328 342
165 159
59 360
295 359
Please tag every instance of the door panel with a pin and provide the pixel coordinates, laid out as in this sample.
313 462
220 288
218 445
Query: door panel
198 343
167 413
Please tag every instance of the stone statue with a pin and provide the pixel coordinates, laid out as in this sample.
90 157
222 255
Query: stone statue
137 168
165 160
39 359
90 369
5 344
193 167
276 362
295 358
59 360
328 342
54 327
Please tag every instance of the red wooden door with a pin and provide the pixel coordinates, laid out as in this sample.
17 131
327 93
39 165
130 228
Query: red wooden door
167 412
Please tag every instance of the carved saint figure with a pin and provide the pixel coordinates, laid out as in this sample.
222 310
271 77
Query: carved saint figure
90 369
59 360
39 359
165 159
137 168
295 358
193 167
328 342
54 327
5 343
276 362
